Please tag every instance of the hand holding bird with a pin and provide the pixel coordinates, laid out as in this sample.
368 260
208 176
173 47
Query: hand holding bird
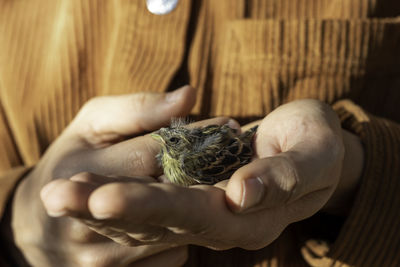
296 169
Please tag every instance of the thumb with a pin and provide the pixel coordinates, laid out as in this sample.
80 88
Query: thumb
263 183
282 179
109 117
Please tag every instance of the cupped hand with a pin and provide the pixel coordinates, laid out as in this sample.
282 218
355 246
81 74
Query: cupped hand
299 151
97 140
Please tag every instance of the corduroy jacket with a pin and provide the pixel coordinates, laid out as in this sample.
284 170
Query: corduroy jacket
245 57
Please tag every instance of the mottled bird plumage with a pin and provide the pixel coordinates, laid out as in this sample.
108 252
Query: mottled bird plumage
204 155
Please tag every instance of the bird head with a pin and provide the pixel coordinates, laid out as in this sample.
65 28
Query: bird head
173 140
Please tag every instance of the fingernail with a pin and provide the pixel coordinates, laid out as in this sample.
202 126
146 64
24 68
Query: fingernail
56 213
102 216
174 96
253 192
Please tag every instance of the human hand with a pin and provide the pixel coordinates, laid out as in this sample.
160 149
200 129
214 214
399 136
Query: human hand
351 169
94 142
298 163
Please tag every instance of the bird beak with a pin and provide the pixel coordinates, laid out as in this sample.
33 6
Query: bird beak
157 137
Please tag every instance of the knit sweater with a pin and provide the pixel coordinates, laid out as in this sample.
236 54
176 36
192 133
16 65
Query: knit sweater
245 57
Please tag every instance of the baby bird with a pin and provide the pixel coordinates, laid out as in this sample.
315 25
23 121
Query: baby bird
204 155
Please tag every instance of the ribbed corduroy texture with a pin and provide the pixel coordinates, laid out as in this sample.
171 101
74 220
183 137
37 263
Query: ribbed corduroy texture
245 57
374 221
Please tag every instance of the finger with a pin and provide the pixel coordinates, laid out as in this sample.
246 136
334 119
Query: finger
171 258
279 180
63 197
75 193
69 197
197 209
265 183
196 215
126 233
104 119
112 254
137 156
98 180
216 121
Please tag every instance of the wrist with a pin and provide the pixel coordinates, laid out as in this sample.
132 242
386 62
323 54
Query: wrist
343 196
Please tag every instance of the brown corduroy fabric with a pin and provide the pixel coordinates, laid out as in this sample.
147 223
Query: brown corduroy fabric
245 58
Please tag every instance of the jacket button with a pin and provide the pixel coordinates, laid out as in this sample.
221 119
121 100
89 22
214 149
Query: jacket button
161 7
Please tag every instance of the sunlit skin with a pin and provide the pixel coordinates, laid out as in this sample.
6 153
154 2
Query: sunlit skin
95 141
118 202
298 168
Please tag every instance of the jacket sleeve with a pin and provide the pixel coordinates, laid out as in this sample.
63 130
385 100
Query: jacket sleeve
11 166
12 170
8 181
370 235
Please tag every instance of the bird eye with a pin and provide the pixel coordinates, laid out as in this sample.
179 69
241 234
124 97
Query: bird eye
174 140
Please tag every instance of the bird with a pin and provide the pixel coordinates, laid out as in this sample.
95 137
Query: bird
202 155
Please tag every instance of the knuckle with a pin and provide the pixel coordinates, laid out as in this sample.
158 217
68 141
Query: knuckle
87 128
135 161
118 236
291 181
140 101
155 236
141 157
128 241
83 122
90 132
89 106
142 104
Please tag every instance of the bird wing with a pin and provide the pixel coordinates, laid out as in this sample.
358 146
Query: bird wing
216 159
